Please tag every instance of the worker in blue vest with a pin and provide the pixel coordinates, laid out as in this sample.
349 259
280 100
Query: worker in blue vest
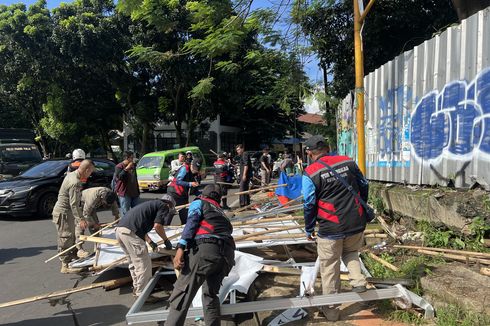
205 256
179 188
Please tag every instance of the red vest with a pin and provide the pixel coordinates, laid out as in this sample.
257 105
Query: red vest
338 210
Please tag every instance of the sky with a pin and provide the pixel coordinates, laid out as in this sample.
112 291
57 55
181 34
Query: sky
310 64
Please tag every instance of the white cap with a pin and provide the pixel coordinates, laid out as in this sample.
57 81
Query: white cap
78 154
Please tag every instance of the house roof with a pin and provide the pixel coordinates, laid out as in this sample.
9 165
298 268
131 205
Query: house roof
310 118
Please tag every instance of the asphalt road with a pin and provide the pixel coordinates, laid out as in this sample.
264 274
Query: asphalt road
25 243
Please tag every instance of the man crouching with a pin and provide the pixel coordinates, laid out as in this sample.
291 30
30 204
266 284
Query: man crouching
205 255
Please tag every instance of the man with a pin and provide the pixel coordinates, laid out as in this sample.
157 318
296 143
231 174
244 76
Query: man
205 255
196 174
77 157
127 187
245 174
179 188
265 167
67 212
287 165
92 199
340 216
221 174
132 235
175 165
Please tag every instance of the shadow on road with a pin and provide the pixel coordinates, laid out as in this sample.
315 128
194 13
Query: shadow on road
12 253
22 218
98 315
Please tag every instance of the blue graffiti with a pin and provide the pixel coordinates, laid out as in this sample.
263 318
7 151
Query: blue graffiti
453 123
394 126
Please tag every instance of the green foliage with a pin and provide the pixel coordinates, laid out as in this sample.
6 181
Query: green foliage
452 315
443 238
329 26
202 89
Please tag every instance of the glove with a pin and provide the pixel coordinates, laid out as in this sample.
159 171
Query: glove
168 244
153 246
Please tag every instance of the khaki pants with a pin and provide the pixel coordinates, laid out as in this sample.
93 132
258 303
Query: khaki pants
137 254
330 252
265 177
65 226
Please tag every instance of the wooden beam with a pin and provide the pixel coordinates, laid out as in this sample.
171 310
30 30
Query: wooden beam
258 189
80 242
383 262
463 259
452 251
251 235
107 284
107 241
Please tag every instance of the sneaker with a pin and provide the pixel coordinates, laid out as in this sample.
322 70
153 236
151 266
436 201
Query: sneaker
152 299
82 253
65 269
331 314
359 289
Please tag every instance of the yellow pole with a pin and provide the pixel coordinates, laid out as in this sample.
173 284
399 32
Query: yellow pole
359 65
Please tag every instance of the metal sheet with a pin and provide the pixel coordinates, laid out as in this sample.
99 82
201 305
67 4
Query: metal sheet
428 111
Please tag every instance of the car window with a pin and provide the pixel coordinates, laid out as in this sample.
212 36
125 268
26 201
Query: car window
102 166
46 169
20 153
150 162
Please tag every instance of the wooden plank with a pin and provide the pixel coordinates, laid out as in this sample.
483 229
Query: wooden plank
452 251
107 241
386 227
80 242
257 190
255 234
463 259
383 262
106 284
376 235
485 271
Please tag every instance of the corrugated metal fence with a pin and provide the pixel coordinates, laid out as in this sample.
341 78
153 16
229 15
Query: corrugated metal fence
428 111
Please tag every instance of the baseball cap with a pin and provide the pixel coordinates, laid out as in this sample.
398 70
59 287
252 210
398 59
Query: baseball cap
169 199
315 142
213 192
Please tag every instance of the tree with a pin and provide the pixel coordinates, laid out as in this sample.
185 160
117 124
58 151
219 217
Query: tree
90 40
207 58
26 61
391 28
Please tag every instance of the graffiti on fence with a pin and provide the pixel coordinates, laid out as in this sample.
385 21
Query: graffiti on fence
454 123
393 141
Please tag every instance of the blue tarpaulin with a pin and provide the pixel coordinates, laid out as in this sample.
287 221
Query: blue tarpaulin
293 188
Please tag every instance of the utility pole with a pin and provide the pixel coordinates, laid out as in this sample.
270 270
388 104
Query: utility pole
359 91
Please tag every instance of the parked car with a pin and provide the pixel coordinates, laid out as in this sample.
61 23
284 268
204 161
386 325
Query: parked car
35 191
153 168
18 151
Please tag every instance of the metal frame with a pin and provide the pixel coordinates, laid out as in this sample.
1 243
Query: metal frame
398 292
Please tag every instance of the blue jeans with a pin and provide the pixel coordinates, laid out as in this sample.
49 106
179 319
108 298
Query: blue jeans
127 203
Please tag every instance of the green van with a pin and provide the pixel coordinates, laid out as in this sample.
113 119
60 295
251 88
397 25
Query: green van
153 168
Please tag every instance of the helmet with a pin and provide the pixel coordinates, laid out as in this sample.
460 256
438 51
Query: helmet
213 192
78 154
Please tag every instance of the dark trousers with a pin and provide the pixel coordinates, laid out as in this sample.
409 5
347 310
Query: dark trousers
183 211
244 186
205 265
224 192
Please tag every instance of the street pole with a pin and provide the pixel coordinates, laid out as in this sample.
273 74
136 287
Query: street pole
359 91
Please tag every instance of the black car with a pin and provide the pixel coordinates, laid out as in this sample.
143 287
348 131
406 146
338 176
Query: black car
36 190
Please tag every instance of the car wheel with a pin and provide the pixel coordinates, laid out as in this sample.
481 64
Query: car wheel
46 204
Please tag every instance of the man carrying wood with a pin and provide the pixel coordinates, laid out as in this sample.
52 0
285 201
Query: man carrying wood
93 199
67 212
132 235
205 256
340 216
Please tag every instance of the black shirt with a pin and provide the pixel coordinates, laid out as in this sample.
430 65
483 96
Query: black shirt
264 159
141 218
244 160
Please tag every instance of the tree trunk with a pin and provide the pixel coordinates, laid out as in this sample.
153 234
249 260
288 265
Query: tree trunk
144 138
178 132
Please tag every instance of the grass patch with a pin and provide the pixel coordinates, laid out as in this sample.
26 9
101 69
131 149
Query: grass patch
452 315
